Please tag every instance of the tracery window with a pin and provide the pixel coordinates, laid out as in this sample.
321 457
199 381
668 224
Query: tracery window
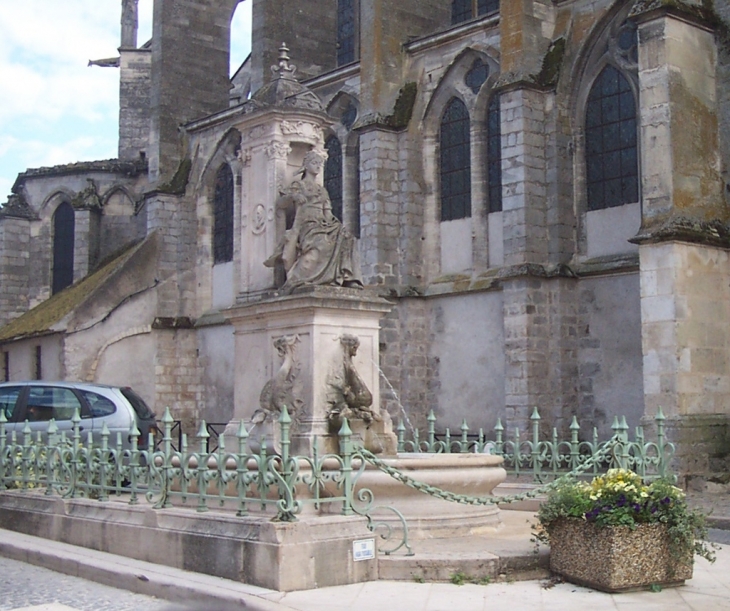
333 174
63 247
494 155
346 32
223 216
612 166
455 166
463 10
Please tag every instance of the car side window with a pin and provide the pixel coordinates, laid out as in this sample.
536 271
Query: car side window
8 399
46 402
99 406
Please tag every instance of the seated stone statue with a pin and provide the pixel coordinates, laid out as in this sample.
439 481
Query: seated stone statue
317 249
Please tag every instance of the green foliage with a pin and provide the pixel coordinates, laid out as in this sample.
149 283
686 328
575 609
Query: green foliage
403 109
551 64
459 578
419 579
621 498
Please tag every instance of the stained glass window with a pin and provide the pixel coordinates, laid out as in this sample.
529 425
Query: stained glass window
345 32
487 7
477 75
63 247
333 174
612 166
349 116
455 168
461 10
357 215
494 155
223 216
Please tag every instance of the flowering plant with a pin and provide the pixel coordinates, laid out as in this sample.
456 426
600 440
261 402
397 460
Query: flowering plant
622 498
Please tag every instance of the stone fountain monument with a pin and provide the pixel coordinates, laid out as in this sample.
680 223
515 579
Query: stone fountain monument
311 343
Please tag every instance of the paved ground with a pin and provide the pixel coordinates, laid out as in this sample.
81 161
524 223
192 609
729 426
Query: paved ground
24 585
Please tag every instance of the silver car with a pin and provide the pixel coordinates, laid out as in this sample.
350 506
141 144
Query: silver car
39 402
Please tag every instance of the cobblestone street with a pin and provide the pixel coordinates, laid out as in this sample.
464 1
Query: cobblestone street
24 587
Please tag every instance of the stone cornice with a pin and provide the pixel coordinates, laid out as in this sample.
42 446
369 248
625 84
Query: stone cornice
682 229
691 12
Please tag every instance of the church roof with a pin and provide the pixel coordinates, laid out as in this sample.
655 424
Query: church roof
124 167
46 317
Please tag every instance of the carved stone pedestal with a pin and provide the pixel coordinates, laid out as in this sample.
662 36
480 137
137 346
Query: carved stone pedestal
308 368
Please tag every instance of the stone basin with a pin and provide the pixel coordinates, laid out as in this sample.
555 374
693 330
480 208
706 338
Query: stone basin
427 516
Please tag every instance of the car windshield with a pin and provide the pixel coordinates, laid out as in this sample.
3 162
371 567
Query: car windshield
143 411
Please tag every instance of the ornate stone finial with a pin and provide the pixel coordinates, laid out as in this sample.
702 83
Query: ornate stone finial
88 199
17 207
284 70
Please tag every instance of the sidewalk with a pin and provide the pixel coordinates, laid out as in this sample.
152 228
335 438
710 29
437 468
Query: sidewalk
708 590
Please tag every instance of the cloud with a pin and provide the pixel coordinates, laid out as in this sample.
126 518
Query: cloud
53 108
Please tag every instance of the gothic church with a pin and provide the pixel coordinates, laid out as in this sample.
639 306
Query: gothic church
539 187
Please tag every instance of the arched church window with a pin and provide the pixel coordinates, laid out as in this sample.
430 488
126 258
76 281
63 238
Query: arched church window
494 155
346 32
63 247
223 216
455 167
612 166
333 174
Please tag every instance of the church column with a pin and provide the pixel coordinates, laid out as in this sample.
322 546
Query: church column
684 257
129 24
15 221
134 88
530 314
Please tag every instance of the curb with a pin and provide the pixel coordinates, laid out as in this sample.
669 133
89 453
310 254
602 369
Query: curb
167 583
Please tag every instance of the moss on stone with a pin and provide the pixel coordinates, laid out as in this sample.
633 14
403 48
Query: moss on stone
551 64
41 319
403 109
179 182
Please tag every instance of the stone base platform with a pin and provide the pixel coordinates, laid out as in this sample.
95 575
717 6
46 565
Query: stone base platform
286 556
316 551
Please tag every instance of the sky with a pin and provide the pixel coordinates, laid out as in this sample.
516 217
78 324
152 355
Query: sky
54 109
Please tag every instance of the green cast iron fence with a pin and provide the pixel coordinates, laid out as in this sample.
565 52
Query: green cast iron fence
283 484
552 457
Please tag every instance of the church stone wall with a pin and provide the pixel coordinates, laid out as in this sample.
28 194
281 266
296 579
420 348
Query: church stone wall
14 267
466 357
191 44
134 102
308 28
610 354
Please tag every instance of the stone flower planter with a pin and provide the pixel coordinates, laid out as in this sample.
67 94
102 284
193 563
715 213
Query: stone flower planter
615 558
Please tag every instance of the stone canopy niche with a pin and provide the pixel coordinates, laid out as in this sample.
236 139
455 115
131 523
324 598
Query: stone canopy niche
306 332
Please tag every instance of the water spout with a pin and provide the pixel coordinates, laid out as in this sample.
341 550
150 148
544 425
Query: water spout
402 409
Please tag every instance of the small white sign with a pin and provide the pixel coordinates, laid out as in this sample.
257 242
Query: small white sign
364 549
